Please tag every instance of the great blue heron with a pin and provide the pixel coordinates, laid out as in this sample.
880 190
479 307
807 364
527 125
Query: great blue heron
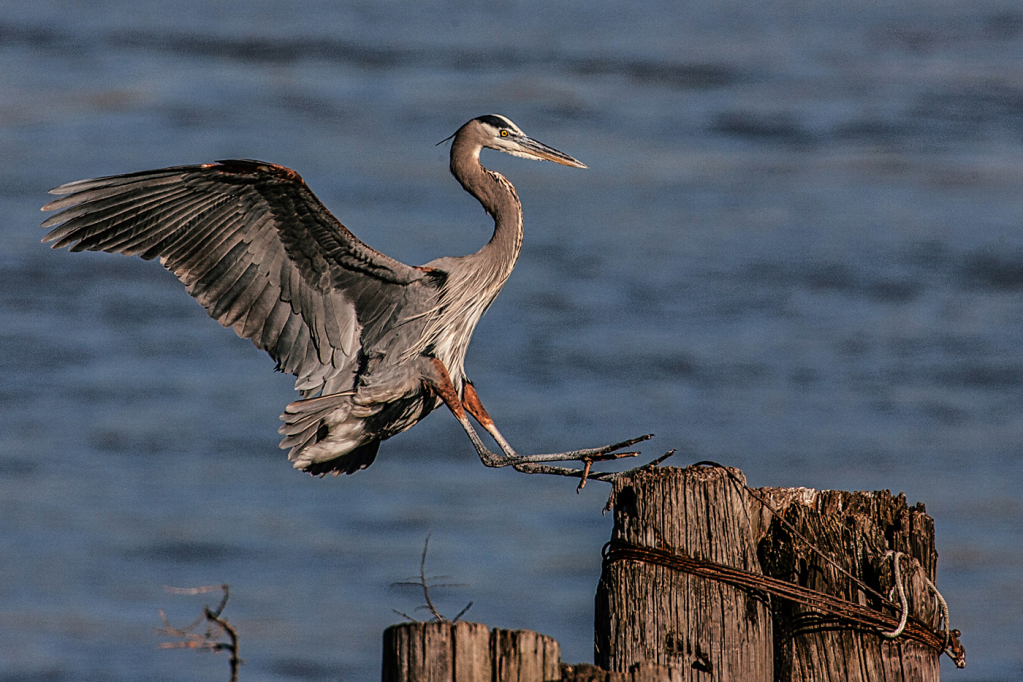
375 344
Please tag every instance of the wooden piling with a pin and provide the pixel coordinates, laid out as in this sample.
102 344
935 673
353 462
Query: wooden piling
468 652
649 613
437 652
856 531
524 656
641 672
702 576
705 580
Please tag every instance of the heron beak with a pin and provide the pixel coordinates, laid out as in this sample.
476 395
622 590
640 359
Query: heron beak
538 150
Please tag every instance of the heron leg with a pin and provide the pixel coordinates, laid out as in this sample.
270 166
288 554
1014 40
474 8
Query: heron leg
471 403
439 382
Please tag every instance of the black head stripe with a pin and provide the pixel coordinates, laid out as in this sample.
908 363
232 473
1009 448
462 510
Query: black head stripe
496 121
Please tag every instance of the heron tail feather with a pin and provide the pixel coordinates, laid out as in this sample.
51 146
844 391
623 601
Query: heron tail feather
323 439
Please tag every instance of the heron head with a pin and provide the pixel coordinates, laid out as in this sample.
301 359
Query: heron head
494 131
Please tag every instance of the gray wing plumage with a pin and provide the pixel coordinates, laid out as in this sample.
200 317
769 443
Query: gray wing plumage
257 249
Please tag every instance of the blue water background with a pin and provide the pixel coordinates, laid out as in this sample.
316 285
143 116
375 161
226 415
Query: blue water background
797 250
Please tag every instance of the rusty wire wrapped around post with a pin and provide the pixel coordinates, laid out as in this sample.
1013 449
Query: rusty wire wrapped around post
850 612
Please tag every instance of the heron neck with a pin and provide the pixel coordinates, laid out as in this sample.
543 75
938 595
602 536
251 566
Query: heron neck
499 199
474 281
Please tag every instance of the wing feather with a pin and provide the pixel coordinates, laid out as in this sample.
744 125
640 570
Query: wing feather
103 191
220 278
108 200
208 256
231 304
274 324
154 222
104 212
256 248
331 327
291 345
150 245
255 318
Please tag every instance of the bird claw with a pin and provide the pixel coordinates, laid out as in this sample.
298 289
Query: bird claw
602 454
586 473
627 443
540 464
605 452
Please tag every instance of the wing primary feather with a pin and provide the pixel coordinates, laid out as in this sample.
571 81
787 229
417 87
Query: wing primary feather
186 244
213 260
193 218
221 277
248 289
83 221
231 304
264 304
160 225
273 327
104 191
124 179
258 313
188 248
109 205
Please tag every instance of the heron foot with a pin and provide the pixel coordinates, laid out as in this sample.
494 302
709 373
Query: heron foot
437 381
585 474
601 454
540 464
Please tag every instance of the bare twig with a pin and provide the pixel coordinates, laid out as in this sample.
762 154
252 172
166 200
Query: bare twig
427 584
462 612
217 626
422 579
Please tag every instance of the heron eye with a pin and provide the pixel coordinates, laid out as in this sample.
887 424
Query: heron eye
504 133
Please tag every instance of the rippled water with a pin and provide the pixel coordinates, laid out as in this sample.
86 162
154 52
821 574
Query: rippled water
797 250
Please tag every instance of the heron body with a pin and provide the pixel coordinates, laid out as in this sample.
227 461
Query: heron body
375 345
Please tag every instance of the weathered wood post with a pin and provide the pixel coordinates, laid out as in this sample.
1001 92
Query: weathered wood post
524 656
860 532
468 652
640 672
437 652
647 612
706 580
702 576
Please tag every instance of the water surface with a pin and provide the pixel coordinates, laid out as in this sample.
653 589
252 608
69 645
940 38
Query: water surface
796 251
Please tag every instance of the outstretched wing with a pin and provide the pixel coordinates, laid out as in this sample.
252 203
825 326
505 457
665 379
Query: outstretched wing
256 248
